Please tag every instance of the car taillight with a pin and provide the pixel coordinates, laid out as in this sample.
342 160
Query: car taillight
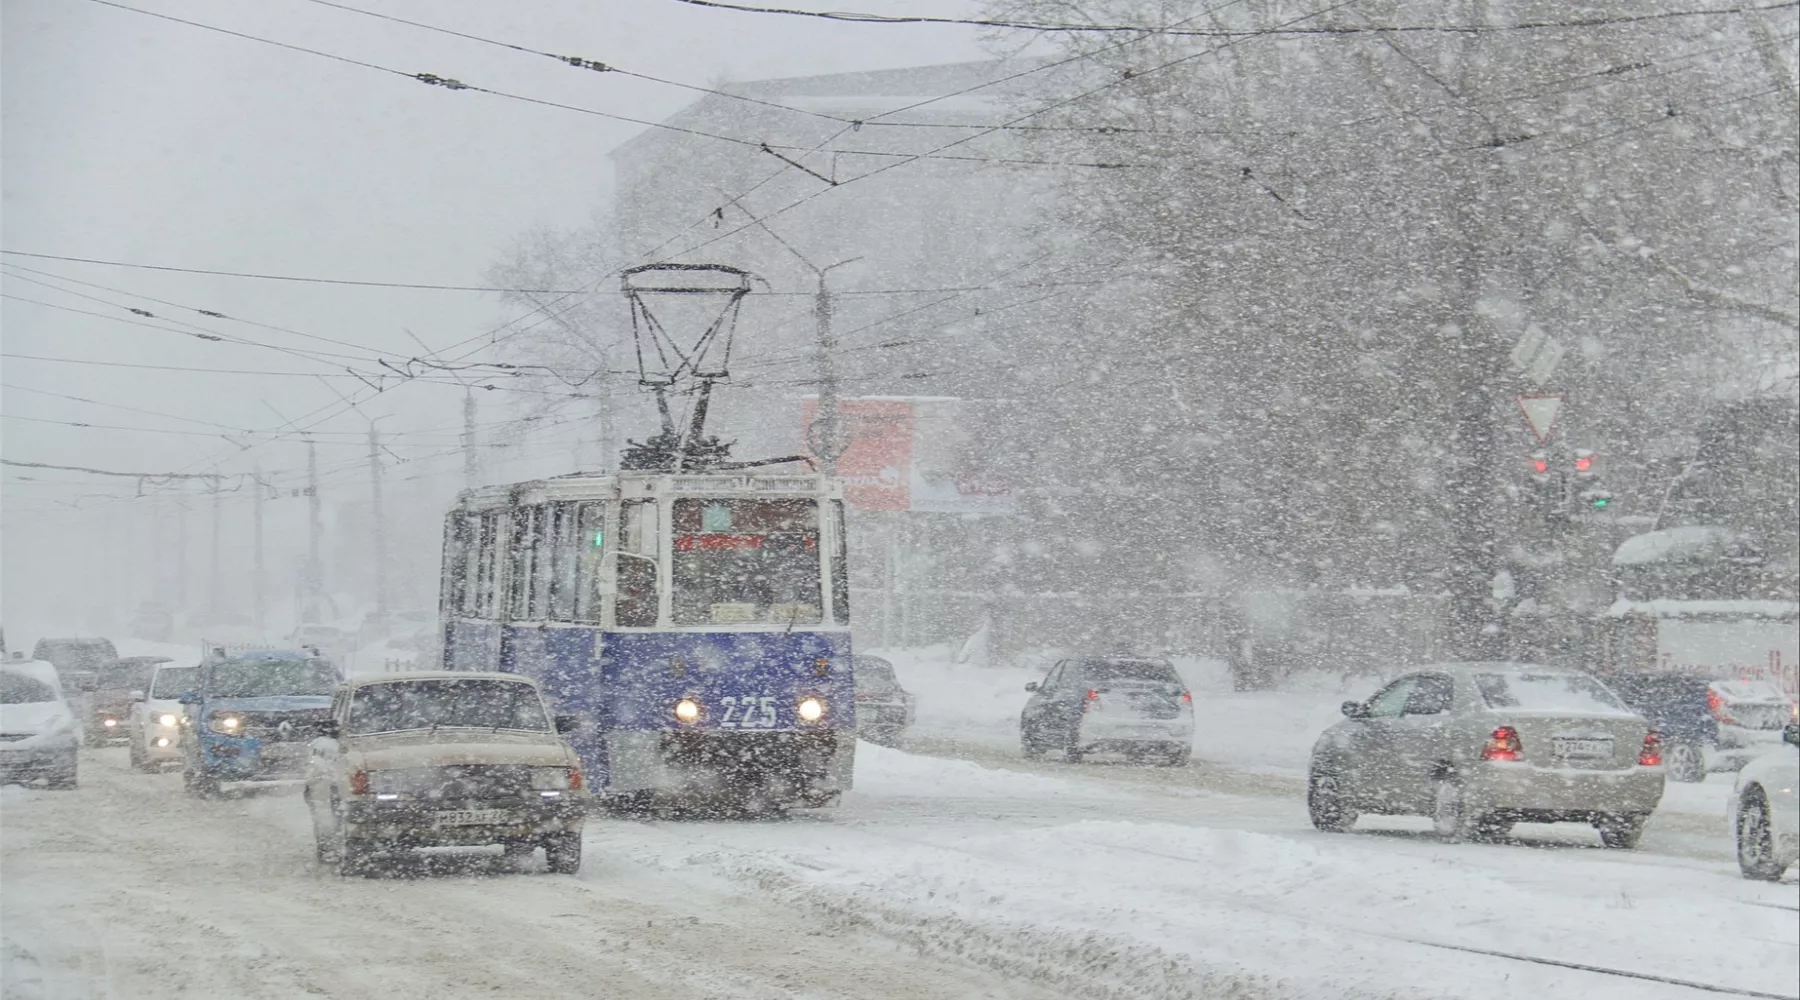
1092 699
1502 745
1716 705
575 779
359 782
1187 696
1651 755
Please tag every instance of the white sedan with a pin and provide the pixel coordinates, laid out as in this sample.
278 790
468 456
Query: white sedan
1766 810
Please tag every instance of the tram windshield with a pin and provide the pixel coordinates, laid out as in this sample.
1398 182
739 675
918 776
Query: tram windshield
746 561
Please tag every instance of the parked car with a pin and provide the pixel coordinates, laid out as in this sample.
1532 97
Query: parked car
108 705
251 716
77 661
154 724
1481 746
1765 807
884 709
1132 705
38 730
437 759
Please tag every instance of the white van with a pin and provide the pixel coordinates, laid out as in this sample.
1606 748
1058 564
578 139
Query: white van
38 731
154 724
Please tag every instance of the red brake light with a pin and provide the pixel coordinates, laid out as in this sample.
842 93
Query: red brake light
575 779
1092 699
359 782
1651 755
1188 697
1716 705
1093 695
1502 745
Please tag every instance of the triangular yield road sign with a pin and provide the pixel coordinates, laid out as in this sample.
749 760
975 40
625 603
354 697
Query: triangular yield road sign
1540 414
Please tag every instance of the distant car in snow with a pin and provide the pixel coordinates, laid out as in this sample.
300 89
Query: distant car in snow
441 759
77 661
154 725
1765 810
1481 746
153 622
109 703
251 715
884 709
1705 725
1122 704
39 734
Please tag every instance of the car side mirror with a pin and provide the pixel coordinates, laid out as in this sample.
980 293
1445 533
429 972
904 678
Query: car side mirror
568 723
1031 685
330 728
1355 710
187 698
1790 733
137 696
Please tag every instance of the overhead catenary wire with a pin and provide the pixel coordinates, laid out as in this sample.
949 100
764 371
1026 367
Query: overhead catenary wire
1595 21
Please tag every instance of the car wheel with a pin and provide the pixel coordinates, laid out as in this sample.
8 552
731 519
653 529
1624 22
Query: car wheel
1072 751
1450 815
200 784
1030 743
1621 832
562 853
355 856
135 752
1755 841
1325 803
63 779
1684 762
1178 755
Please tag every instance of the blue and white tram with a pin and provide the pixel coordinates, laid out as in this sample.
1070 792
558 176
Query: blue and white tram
697 624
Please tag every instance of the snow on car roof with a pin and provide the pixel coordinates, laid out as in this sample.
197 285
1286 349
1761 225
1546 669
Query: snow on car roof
37 670
1747 608
1683 544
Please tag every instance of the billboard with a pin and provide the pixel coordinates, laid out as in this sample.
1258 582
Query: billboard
917 453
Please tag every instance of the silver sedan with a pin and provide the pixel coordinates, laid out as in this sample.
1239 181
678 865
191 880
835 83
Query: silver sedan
1481 746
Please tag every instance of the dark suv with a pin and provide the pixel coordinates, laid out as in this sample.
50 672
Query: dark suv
1677 705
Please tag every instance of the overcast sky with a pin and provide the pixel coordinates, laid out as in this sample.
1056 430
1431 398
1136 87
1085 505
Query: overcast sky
130 138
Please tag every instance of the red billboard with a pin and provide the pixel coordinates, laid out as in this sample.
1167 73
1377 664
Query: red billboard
912 453
877 459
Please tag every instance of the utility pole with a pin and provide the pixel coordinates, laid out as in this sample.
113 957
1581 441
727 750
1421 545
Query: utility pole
828 447
471 462
378 524
309 610
181 553
257 594
212 599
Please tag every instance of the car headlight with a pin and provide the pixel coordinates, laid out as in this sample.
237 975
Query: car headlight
167 719
109 722
551 779
810 709
687 710
226 723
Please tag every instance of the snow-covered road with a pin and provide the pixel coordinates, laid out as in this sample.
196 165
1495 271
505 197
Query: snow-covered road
937 878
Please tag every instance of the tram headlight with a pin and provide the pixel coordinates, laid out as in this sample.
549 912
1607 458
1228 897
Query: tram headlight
810 709
687 710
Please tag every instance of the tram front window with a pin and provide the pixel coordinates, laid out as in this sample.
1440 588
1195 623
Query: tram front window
746 561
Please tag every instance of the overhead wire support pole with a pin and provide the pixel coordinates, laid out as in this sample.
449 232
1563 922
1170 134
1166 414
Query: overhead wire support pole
213 610
379 526
309 610
258 581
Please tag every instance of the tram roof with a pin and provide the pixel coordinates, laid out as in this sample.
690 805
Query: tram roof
611 485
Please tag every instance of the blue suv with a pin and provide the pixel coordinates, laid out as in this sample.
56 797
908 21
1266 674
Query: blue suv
252 716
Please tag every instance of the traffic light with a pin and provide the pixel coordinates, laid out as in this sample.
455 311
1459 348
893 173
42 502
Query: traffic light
1540 467
1587 465
1587 481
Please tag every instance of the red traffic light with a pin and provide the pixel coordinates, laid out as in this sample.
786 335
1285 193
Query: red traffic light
1540 465
1584 463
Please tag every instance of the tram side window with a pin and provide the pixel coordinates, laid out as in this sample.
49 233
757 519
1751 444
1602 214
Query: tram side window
586 547
487 567
543 562
840 567
518 562
452 583
637 603
565 557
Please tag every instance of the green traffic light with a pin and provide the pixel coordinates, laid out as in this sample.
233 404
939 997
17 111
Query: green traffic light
1600 502
599 539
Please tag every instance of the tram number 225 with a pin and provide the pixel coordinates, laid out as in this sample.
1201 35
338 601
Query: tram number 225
748 712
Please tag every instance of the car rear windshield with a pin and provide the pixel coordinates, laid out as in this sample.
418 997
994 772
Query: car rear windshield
1549 692
172 682
1644 690
1152 671
271 678
1750 691
124 675
428 704
875 671
77 654
17 689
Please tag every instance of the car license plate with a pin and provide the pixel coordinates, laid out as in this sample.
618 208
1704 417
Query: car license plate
1580 749
472 817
